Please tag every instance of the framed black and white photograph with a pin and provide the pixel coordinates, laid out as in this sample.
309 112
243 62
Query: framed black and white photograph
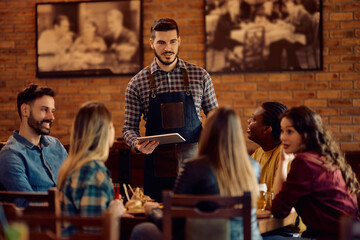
262 35
89 38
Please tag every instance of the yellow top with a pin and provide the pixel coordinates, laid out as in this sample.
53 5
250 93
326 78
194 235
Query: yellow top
269 162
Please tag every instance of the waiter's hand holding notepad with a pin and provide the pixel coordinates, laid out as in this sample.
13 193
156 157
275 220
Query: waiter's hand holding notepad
163 138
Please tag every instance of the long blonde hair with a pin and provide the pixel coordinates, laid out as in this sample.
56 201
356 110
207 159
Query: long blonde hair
223 143
89 139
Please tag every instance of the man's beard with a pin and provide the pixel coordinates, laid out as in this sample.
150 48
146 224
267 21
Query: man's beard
163 62
37 125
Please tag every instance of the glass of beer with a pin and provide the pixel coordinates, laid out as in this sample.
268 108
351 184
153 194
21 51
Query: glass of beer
262 197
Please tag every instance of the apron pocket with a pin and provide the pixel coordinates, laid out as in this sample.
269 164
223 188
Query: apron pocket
172 115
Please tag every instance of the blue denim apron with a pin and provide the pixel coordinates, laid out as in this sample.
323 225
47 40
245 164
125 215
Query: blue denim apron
170 112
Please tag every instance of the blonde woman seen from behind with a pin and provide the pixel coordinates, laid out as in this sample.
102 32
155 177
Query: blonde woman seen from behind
84 181
221 167
223 145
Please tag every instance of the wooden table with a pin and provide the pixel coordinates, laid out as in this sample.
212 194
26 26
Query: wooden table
271 223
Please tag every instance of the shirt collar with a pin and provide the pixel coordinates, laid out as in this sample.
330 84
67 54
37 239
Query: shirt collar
179 65
43 141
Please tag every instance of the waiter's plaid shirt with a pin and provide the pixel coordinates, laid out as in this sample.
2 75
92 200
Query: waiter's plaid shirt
87 191
138 92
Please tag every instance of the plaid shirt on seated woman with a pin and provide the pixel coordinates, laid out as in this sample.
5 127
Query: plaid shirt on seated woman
88 192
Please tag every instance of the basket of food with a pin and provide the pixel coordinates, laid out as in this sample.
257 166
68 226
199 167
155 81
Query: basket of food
135 204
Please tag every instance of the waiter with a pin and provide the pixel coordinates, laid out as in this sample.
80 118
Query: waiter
170 94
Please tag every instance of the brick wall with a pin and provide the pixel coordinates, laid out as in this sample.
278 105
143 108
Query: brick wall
333 92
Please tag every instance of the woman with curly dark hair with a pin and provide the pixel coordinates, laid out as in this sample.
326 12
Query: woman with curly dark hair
320 184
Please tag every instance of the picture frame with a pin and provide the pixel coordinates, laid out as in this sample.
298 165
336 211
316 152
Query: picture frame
97 38
263 36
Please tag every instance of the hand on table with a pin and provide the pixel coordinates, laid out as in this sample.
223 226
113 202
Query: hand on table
127 215
146 147
117 207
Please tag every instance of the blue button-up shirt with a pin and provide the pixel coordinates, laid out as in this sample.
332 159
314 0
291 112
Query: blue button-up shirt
30 168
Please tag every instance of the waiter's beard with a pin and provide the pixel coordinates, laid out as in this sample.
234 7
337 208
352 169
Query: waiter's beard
163 62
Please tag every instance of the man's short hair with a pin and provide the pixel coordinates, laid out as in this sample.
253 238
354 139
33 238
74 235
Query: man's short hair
163 25
31 93
272 111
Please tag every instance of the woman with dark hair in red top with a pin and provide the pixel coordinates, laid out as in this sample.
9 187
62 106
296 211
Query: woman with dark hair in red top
320 184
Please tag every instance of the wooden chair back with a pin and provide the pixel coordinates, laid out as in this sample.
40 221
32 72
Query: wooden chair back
186 206
106 227
37 203
11 211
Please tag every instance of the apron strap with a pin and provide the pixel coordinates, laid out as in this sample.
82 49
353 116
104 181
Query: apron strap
186 81
152 84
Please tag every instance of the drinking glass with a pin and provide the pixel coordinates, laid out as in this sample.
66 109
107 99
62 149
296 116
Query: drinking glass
116 190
